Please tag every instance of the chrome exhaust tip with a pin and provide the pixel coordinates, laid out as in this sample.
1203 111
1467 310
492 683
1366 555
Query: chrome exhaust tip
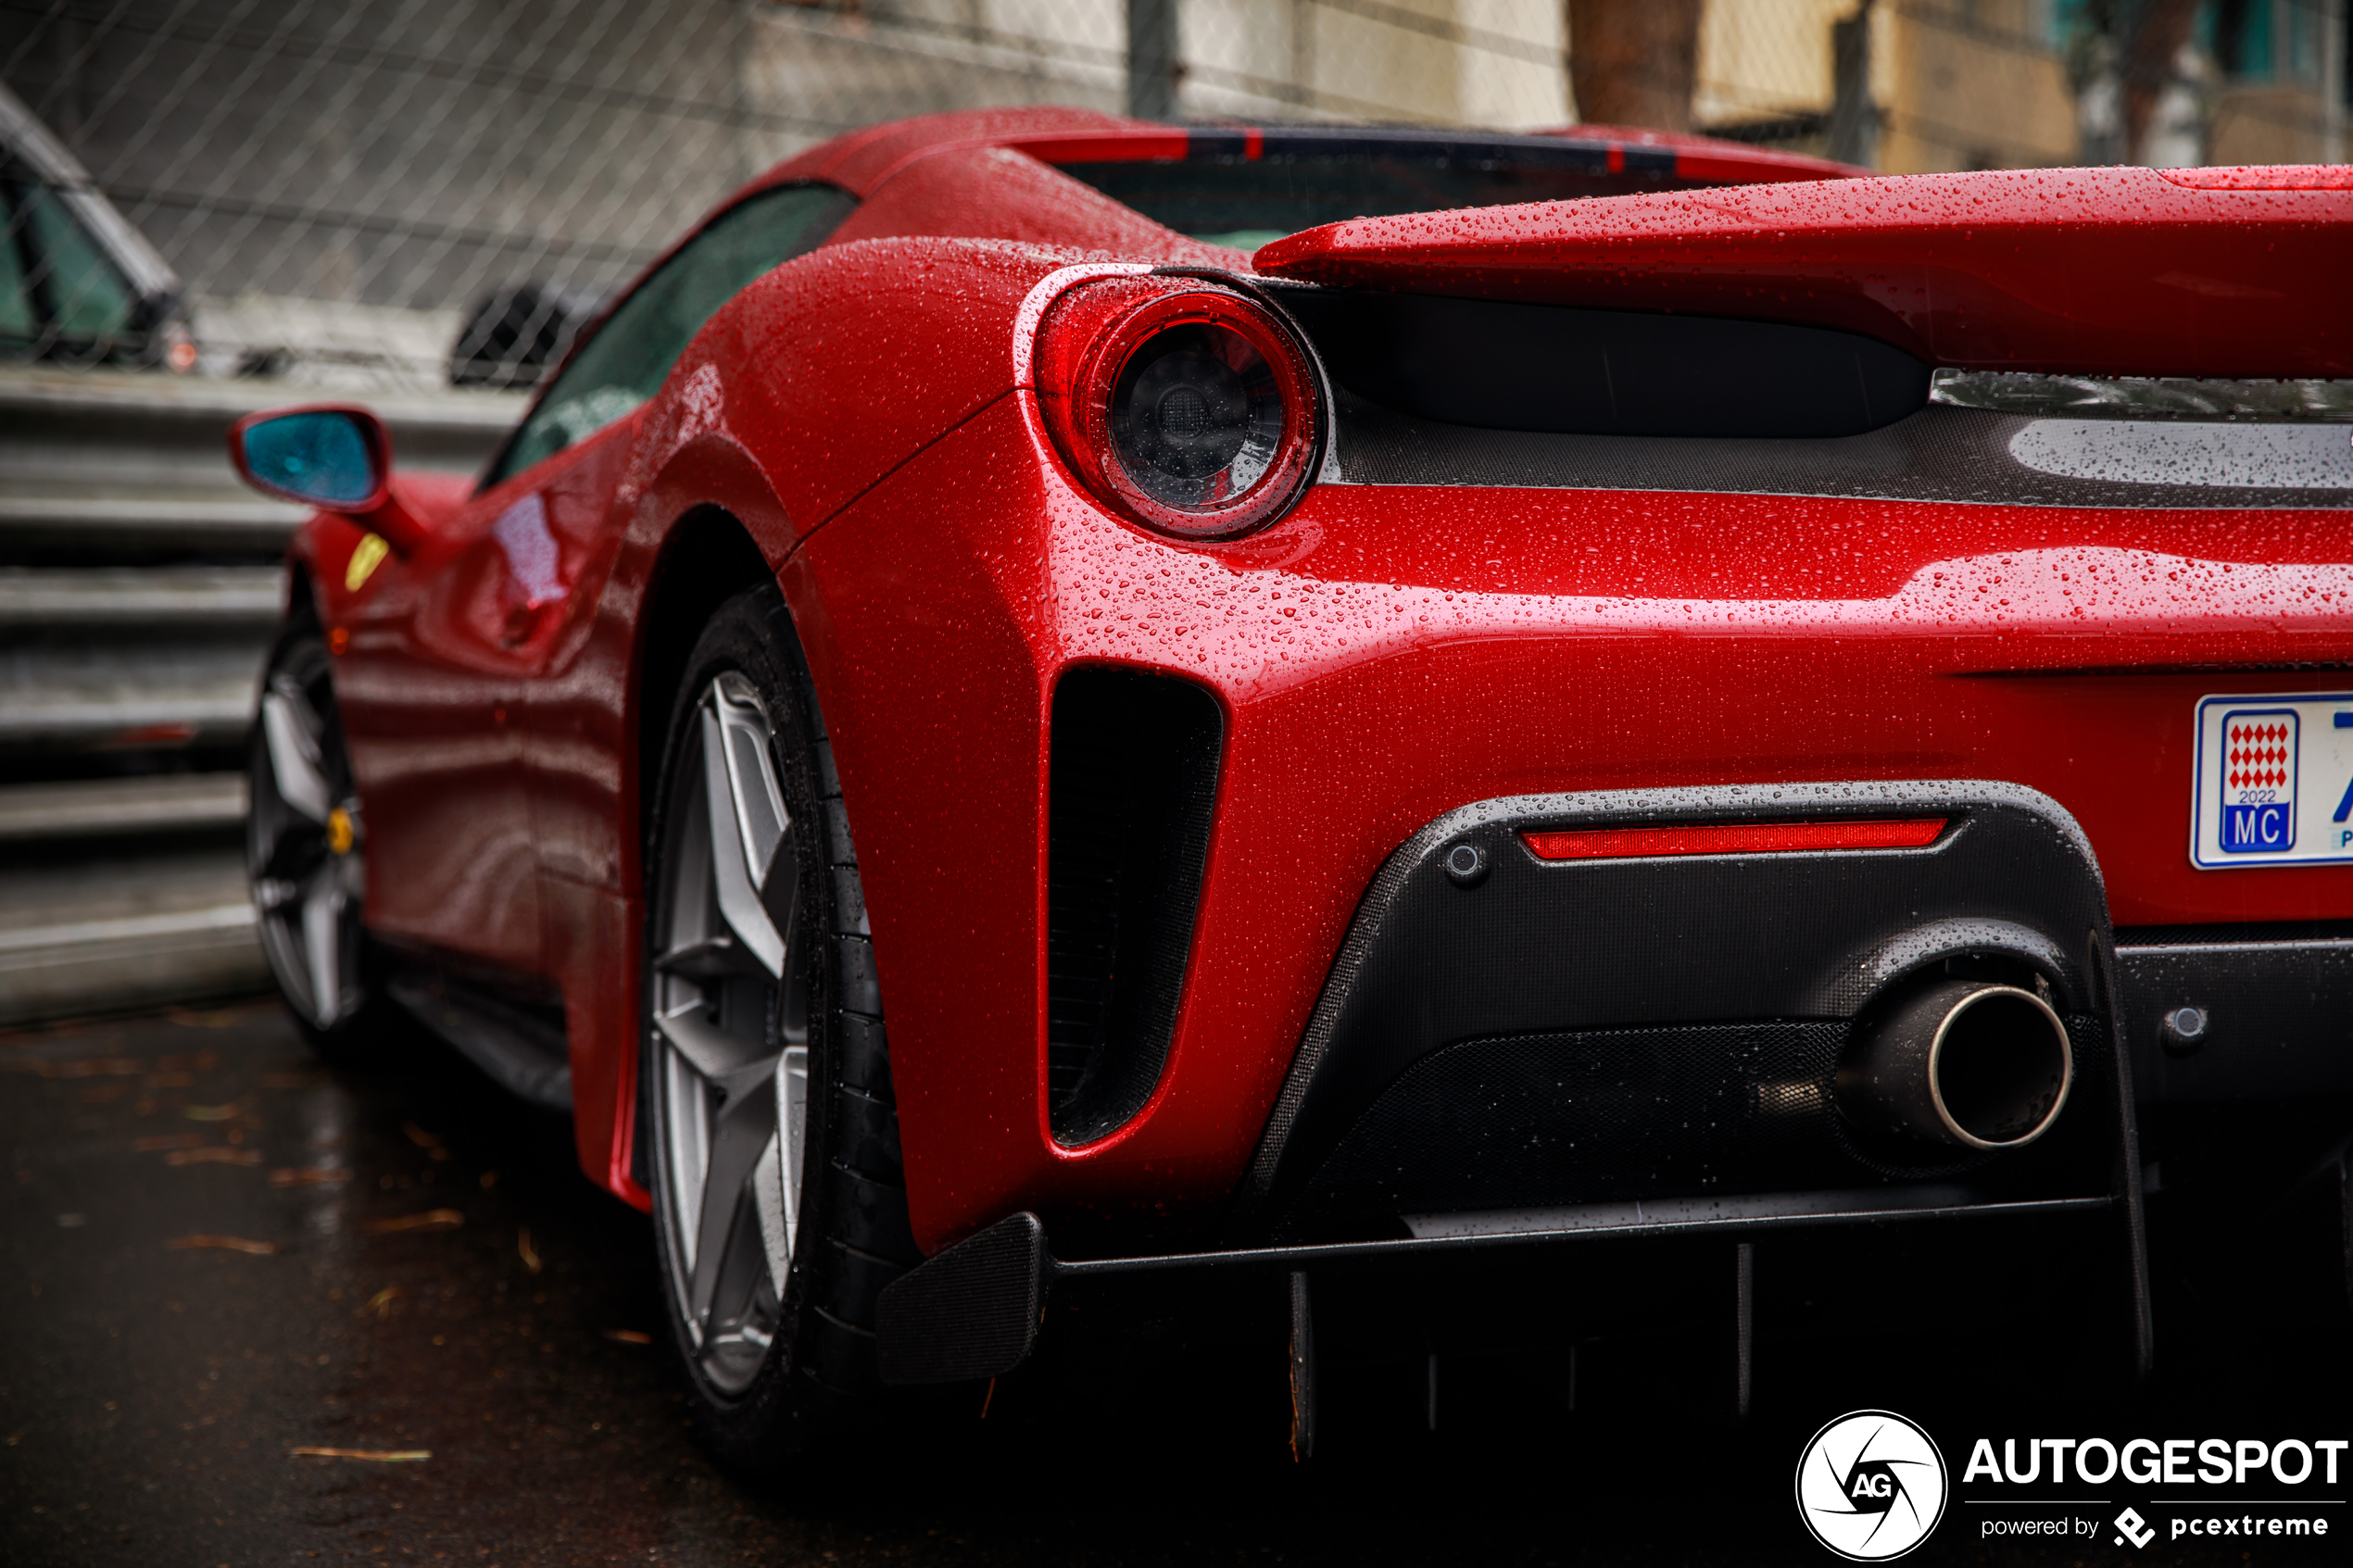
1960 1064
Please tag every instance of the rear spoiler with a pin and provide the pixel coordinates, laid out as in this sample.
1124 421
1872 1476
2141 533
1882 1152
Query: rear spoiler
1582 149
2207 272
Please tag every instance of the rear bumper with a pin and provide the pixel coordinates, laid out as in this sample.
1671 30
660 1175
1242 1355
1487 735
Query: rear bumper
1646 1029
2276 1006
1559 641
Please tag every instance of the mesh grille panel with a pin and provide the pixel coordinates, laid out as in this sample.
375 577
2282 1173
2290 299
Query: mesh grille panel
1134 782
1538 1121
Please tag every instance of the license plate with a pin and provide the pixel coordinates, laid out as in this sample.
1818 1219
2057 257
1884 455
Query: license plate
2274 782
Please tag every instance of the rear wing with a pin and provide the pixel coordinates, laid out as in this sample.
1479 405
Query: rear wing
2198 272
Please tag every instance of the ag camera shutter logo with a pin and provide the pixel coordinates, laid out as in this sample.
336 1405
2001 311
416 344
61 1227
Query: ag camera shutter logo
1871 1485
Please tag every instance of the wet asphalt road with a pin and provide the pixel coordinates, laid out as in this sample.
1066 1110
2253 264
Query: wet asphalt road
399 1260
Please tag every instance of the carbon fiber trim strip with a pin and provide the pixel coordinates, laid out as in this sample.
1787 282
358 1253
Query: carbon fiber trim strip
1938 454
1793 1211
1352 145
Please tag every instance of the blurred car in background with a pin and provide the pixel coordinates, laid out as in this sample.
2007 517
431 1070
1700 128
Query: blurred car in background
515 336
78 283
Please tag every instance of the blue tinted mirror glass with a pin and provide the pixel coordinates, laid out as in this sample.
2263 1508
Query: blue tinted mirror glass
321 457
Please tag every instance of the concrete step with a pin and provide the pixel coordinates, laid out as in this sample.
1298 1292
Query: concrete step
120 932
138 586
101 462
101 407
96 808
127 696
216 598
228 522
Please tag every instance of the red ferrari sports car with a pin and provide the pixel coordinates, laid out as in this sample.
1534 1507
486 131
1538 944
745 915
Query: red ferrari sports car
1049 696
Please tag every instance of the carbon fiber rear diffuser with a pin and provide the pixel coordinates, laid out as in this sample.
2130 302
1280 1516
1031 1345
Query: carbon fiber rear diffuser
974 1311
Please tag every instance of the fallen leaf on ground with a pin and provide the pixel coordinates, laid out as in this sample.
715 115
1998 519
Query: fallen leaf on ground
167 1140
522 1249
295 1176
380 1303
216 1155
424 1141
430 1220
629 1335
110 1067
186 1061
229 1243
382 1456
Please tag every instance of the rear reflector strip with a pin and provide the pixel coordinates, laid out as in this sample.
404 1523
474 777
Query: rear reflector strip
1734 838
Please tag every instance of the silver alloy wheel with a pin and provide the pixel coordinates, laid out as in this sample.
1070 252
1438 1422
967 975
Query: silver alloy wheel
730 1038
304 848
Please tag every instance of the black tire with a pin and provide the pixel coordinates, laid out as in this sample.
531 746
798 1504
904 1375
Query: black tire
759 1401
306 851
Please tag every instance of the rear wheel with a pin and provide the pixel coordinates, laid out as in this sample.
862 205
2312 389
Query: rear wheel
306 846
779 1205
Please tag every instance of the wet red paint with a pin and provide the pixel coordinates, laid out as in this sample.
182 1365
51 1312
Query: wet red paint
1383 656
2112 271
2266 177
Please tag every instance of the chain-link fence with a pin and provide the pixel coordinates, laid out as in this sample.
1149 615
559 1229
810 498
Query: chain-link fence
334 191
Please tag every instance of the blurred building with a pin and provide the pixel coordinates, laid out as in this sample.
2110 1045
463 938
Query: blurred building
1950 84
1921 85
2278 95
338 185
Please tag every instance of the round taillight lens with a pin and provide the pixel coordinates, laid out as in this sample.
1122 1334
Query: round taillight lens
1192 409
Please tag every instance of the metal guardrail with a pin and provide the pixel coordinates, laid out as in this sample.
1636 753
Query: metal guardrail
139 586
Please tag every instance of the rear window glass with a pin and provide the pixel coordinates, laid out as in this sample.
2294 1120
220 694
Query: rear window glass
630 356
1251 204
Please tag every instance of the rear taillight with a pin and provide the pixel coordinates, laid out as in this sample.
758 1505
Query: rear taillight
1188 408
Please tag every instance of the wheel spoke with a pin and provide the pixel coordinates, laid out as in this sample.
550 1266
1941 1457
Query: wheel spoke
775 1222
757 804
792 1102
779 1174
322 905
747 822
711 1051
728 982
294 853
745 1126
295 764
711 960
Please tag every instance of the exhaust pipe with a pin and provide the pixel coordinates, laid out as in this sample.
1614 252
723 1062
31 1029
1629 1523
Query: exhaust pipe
1960 1064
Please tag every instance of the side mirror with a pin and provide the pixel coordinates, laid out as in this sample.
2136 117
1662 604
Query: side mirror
331 456
336 459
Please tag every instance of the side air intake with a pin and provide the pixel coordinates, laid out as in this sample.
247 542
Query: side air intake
1133 787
